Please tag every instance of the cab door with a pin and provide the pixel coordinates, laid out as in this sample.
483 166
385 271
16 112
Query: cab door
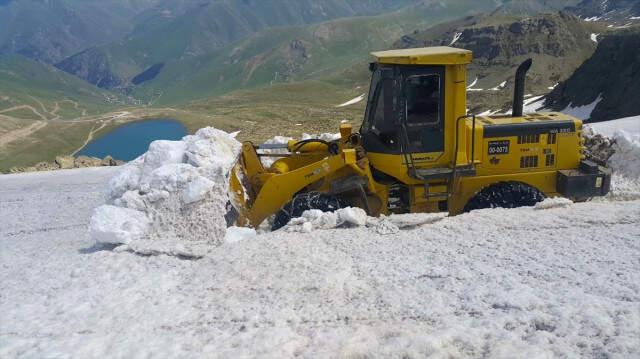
422 118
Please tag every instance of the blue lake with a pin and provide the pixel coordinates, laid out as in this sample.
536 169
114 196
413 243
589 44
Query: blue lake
129 141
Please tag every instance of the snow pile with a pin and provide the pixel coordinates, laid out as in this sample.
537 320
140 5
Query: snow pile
608 128
617 144
176 192
626 159
316 219
313 220
598 147
557 202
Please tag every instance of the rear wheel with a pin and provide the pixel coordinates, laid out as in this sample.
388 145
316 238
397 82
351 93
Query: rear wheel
505 195
304 202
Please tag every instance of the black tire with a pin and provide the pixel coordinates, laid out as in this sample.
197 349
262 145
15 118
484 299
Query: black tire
505 195
304 202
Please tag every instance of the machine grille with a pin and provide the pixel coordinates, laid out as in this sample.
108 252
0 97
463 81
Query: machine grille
528 139
552 138
528 161
550 160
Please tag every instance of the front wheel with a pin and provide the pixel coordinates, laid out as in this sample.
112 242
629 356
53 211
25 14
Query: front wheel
304 202
505 195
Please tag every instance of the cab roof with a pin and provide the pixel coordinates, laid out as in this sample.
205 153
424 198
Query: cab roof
440 55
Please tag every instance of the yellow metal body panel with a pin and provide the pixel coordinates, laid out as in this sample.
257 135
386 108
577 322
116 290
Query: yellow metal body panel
441 55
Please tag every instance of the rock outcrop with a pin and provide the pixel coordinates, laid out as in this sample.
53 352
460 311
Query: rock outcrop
69 162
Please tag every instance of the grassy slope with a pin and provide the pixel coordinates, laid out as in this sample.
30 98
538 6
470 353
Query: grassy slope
26 82
290 54
45 96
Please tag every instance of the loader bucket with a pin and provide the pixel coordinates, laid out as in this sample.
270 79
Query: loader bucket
238 194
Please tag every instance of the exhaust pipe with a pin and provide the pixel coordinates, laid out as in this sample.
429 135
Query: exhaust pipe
518 92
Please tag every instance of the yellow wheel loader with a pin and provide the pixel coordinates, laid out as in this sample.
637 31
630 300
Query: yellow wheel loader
419 151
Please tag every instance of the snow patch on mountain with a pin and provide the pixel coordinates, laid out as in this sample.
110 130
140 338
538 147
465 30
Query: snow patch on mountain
582 112
352 101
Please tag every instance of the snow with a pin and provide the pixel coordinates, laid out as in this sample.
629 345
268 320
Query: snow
557 202
475 81
626 159
635 18
352 101
594 37
582 112
315 220
533 104
488 113
624 135
117 225
554 86
174 193
456 37
591 19
128 279
237 234
607 128
528 282
499 87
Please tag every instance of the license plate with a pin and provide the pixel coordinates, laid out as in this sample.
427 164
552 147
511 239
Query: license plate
499 147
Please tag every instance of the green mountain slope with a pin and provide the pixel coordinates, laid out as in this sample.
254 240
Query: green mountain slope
188 28
25 82
280 54
50 31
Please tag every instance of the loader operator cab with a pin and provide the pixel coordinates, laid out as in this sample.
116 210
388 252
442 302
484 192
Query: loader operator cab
405 110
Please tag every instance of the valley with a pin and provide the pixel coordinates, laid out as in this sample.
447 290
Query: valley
285 71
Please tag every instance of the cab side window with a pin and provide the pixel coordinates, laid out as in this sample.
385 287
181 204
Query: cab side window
423 100
383 120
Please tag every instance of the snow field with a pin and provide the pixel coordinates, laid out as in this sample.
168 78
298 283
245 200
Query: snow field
559 280
555 280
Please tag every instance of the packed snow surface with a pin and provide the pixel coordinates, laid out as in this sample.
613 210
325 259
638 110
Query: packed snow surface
560 279
557 280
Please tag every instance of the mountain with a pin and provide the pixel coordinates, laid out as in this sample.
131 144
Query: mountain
45 112
189 28
36 90
321 51
620 12
529 7
606 83
51 30
557 43
183 31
